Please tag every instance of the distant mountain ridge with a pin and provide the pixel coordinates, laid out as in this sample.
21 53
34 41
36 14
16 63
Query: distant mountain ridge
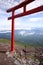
33 36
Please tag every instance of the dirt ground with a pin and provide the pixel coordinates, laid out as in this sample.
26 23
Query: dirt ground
4 59
7 57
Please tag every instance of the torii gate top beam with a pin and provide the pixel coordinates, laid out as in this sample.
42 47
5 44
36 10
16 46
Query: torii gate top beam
20 5
38 9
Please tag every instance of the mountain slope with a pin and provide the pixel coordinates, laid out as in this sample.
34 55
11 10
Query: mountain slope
33 36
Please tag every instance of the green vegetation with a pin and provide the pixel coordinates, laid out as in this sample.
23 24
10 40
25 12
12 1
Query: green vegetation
5 41
22 44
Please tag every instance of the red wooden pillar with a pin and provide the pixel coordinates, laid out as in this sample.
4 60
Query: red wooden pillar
12 33
24 8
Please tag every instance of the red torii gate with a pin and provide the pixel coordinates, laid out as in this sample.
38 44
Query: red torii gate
23 4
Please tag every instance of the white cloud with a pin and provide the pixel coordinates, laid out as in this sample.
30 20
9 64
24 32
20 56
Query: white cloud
6 31
35 19
20 24
28 23
5 24
1 12
19 11
31 33
34 4
22 33
5 4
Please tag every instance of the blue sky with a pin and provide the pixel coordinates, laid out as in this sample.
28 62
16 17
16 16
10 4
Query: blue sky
27 22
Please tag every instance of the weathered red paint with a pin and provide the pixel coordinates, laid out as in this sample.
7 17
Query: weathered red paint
38 9
12 36
23 4
24 8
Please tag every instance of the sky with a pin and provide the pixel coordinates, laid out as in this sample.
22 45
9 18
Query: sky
27 22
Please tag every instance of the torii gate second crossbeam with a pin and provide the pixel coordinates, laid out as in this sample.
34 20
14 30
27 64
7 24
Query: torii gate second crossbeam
23 4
